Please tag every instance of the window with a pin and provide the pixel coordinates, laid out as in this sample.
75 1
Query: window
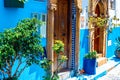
35 15
112 4
43 17
39 16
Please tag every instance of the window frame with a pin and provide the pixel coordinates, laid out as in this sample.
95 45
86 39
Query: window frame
112 4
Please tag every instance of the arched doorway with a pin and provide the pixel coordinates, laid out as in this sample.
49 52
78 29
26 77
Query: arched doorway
98 33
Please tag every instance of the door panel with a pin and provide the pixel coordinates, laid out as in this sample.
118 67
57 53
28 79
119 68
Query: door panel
97 40
61 27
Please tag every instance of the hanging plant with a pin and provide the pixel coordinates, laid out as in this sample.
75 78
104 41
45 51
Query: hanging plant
23 1
14 3
98 21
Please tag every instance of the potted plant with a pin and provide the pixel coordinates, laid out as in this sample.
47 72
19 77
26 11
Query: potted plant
117 51
14 3
89 64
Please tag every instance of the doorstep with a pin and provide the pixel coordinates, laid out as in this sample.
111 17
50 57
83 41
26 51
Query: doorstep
101 61
64 75
100 71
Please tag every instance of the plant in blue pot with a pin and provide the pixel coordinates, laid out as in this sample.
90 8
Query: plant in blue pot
117 50
89 64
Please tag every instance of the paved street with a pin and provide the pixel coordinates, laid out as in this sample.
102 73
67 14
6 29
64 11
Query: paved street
114 74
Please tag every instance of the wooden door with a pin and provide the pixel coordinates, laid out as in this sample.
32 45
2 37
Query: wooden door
61 29
97 32
97 40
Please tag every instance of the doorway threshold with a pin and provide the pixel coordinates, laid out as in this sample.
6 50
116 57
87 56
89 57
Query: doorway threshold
64 75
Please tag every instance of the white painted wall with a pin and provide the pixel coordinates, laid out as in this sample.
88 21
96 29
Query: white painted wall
116 11
118 8
111 11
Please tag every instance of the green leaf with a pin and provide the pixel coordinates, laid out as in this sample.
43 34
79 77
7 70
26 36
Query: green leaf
21 41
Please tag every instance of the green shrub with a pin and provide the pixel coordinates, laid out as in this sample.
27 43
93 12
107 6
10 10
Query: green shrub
91 55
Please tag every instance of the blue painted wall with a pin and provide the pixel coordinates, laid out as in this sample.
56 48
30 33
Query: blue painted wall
84 33
9 18
84 45
112 36
116 32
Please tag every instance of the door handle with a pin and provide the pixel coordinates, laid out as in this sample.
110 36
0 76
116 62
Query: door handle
63 34
54 35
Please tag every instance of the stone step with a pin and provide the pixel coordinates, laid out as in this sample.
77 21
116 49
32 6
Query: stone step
65 74
100 55
101 61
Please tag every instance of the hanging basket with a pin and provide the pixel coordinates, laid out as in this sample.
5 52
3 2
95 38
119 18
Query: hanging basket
13 4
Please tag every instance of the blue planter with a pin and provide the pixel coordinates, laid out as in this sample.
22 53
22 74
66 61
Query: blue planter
89 66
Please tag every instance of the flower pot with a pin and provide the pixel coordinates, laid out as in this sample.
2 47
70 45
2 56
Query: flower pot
89 66
11 78
117 53
13 4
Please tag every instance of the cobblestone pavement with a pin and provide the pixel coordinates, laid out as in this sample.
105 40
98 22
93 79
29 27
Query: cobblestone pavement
114 74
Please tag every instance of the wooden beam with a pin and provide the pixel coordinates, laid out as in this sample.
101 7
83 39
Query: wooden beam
50 33
77 38
53 1
70 36
78 4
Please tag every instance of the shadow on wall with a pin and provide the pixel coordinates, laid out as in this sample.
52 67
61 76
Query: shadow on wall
34 72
